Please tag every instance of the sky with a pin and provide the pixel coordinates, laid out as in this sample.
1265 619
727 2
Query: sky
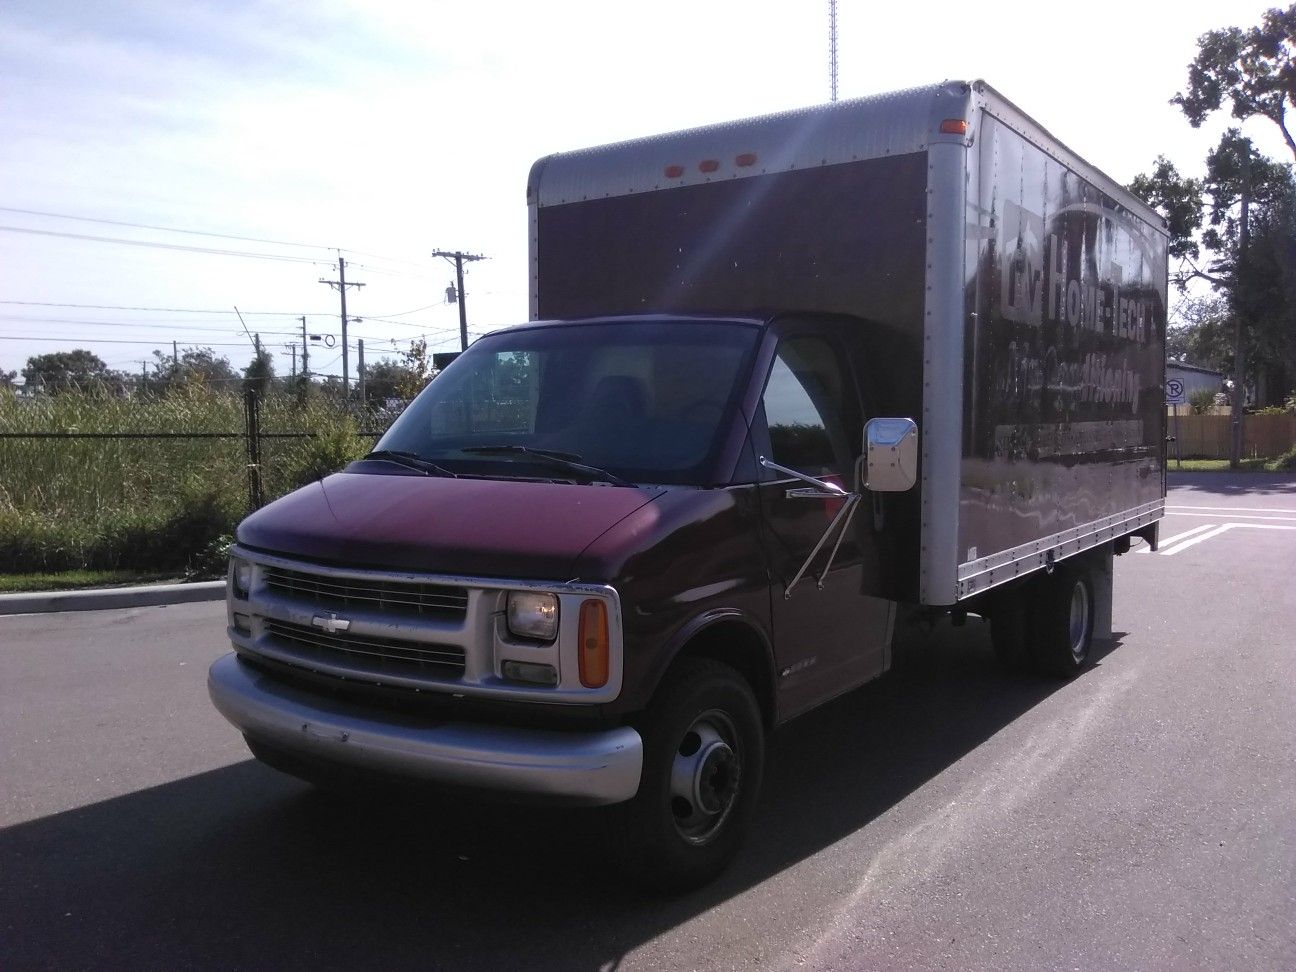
386 130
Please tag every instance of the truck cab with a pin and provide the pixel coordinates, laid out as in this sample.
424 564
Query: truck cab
572 519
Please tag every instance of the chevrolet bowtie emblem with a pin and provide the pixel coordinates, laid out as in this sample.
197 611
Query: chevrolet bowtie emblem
331 623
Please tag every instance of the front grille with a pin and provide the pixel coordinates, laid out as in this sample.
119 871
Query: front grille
368 656
385 596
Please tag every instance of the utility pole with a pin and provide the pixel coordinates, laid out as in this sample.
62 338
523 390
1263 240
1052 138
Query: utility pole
1239 308
360 376
341 285
305 351
292 346
175 356
459 258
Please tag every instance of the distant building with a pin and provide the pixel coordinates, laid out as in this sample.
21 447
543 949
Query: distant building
1194 377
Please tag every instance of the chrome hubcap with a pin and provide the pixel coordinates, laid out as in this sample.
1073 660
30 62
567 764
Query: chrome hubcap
1079 625
705 777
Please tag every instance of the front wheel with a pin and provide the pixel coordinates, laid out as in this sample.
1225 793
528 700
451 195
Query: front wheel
704 755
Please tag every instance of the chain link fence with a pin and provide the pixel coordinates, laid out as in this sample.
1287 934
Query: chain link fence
104 482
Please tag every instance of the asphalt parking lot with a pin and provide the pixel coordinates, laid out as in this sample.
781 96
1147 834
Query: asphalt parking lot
946 816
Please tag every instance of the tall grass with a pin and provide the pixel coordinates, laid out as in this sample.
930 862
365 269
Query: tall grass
148 504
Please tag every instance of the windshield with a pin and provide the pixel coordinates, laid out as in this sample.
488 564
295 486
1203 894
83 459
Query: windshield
643 401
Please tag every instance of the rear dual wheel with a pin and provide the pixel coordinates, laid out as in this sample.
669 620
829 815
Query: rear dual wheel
1064 622
1047 624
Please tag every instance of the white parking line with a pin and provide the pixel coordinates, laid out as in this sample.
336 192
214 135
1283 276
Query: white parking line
1178 536
1237 516
1198 539
1231 509
1219 530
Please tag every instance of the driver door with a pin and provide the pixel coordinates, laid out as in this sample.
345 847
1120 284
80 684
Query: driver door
827 639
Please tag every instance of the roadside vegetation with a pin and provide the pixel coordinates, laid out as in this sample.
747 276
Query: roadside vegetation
1216 465
151 505
72 580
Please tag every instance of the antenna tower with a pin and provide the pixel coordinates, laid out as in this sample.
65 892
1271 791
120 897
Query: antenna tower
832 47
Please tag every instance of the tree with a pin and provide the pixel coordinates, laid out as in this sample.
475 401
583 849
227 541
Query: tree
79 369
1235 227
7 378
197 366
1233 168
259 374
1199 333
1252 70
418 369
387 378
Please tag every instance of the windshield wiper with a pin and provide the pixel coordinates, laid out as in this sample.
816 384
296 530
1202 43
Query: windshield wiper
567 460
411 460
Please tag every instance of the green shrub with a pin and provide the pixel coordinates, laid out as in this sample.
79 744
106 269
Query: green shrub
1201 400
328 452
211 561
1284 463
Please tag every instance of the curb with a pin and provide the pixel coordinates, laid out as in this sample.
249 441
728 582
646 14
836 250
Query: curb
43 602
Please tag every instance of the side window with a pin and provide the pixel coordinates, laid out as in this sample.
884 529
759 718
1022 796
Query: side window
805 408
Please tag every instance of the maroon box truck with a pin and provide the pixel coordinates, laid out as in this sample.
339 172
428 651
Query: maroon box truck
784 378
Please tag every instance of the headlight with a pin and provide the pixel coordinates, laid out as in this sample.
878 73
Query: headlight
533 615
240 576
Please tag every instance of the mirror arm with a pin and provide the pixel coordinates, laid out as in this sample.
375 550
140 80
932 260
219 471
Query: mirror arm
852 504
847 511
830 489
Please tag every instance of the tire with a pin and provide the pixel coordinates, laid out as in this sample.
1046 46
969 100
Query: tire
704 755
1063 622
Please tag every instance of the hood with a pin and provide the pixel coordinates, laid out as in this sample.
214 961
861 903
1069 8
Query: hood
473 527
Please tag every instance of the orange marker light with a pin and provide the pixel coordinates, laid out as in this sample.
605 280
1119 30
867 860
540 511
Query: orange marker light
746 159
674 171
708 165
953 126
593 646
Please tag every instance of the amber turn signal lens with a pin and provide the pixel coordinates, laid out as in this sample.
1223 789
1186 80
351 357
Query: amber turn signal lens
593 646
953 126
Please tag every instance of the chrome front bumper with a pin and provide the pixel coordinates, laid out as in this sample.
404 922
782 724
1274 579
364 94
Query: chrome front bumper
591 768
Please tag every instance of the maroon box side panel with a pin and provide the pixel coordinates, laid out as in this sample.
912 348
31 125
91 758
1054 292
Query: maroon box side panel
1065 351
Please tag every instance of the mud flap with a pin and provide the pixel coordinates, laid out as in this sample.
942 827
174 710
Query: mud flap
1102 592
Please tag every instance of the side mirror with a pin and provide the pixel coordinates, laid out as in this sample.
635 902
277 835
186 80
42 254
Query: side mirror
891 454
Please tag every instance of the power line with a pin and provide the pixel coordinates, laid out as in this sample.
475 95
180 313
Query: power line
208 233
98 340
385 259
164 229
391 273
281 257
403 323
384 317
169 310
170 326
